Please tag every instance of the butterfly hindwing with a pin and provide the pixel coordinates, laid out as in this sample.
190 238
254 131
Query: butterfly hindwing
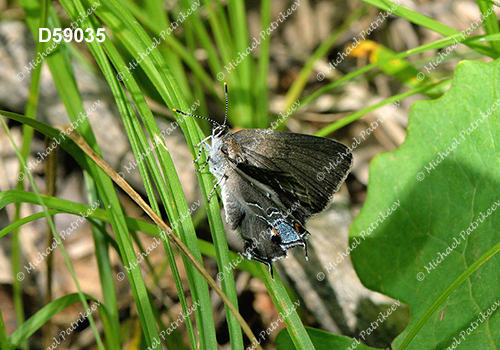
267 226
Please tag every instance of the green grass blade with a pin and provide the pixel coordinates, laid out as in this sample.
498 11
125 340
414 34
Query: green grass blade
243 102
287 309
260 92
490 22
434 45
28 133
429 23
198 285
25 220
358 114
65 83
300 82
3 334
36 321
111 323
59 242
187 124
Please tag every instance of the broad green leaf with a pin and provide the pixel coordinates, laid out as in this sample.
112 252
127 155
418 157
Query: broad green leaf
429 230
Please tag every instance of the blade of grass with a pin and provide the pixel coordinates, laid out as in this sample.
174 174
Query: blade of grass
140 145
260 93
28 133
25 220
283 303
165 228
491 22
111 322
205 41
3 334
358 114
174 44
59 242
199 93
36 321
243 102
163 22
298 84
50 190
434 45
188 124
60 66
75 151
429 23
68 207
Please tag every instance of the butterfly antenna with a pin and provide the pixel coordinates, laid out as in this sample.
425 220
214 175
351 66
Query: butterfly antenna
192 115
200 117
225 92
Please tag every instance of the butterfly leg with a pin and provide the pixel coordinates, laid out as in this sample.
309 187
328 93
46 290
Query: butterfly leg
266 262
204 165
213 189
202 144
204 141
200 151
270 269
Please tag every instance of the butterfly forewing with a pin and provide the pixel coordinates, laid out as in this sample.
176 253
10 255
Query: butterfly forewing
297 168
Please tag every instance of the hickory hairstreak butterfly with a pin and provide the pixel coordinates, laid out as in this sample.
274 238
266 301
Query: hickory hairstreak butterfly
272 182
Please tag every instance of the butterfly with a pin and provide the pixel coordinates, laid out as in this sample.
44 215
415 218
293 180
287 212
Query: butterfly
272 182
